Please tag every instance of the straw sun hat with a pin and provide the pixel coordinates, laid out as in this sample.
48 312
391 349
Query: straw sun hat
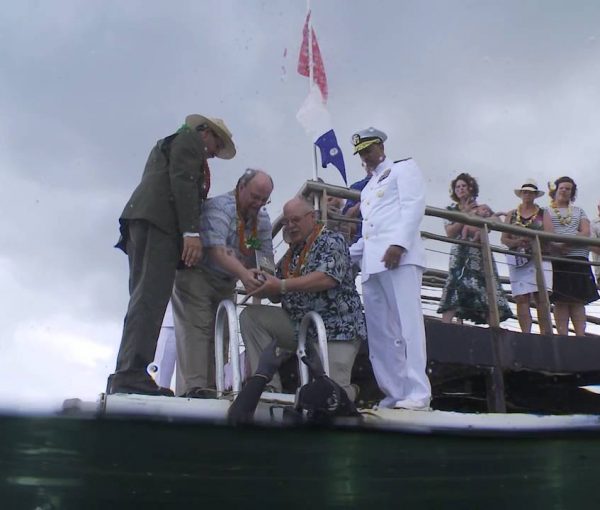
529 185
219 128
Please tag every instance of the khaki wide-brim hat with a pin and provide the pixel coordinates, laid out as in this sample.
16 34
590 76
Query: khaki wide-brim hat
530 185
220 129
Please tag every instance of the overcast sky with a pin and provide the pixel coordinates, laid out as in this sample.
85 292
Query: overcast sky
505 90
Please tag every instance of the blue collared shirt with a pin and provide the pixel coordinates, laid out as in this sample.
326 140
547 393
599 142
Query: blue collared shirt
219 227
358 185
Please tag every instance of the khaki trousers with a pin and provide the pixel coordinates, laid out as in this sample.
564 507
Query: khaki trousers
196 297
260 325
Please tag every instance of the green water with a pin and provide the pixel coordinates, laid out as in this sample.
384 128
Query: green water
68 463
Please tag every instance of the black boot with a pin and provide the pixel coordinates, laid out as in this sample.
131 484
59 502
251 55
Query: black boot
141 385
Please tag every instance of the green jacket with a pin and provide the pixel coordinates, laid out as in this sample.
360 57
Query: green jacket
170 192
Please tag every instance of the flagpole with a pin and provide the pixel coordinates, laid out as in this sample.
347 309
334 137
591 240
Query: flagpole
311 85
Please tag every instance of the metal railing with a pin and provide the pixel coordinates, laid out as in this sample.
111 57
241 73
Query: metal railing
315 319
227 315
322 191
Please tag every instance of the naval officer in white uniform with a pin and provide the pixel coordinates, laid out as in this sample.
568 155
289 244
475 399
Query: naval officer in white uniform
392 260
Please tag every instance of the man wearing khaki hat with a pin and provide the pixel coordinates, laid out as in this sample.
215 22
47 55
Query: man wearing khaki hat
159 231
392 259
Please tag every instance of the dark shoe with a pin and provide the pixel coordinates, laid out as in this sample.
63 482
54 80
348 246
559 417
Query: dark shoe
200 393
140 387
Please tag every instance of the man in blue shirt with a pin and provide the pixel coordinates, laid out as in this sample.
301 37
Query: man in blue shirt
352 209
234 227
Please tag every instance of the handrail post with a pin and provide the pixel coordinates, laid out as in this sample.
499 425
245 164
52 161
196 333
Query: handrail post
490 279
543 301
323 206
314 318
495 377
227 311
494 380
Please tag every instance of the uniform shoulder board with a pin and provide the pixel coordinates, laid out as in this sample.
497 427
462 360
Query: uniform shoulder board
401 160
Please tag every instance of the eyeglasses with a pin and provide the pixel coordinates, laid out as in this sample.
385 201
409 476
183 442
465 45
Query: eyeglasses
295 220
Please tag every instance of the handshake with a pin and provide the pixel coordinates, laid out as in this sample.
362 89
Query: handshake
260 284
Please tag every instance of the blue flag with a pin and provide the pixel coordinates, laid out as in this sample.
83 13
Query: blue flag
315 119
331 153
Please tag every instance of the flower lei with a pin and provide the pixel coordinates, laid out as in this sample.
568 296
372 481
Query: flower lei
566 220
247 246
519 220
287 258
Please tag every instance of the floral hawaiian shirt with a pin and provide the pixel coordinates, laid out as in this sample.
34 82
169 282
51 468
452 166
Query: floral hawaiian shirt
339 307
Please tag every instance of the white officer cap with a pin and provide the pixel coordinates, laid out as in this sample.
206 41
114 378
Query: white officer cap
365 137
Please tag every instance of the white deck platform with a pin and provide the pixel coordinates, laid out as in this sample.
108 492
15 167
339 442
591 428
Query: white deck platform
391 419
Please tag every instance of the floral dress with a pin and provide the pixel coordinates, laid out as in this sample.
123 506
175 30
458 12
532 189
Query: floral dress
464 290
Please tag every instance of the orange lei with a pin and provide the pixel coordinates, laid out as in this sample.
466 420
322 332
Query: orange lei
287 258
247 247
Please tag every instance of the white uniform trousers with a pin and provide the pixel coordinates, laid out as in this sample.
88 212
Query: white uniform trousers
396 331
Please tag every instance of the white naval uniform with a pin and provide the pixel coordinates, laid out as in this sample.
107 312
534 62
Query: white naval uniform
392 206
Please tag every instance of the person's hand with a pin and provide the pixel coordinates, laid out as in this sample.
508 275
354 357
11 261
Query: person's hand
524 242
312 360
270 286
519 242
559 248
271 359
352 212
192 250
470 204
391 257
251 281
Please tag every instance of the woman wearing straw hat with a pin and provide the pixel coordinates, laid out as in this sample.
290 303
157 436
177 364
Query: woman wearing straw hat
573 284
522 270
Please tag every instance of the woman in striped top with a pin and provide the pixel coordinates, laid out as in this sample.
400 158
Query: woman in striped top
573 283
